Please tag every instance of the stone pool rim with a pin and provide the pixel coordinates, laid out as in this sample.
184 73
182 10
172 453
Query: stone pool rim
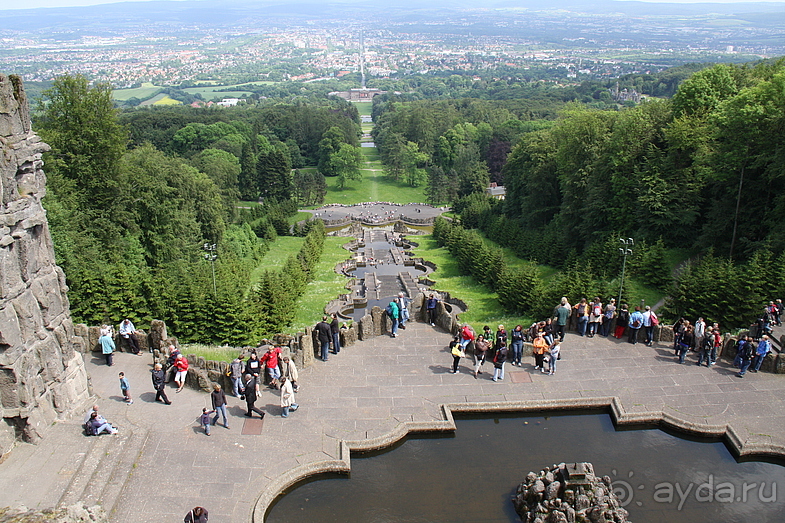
612 404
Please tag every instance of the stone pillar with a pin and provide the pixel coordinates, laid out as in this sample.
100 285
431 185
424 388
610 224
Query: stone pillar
42 375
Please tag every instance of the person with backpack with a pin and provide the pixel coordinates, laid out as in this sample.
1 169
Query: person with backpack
739 350
582 313
561 315
685 342
457 354
394 315
595 316
467 336
746 352
607 317
636 322
498 362
622 319
480 352
704 353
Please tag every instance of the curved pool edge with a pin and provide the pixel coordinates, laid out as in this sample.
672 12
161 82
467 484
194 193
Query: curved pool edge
613 404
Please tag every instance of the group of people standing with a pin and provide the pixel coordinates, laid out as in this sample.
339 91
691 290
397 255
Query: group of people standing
597 318
494 347
328 331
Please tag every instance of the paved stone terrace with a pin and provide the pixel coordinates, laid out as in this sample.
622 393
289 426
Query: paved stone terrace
161 464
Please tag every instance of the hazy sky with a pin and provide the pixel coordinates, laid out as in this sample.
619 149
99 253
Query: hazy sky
29 4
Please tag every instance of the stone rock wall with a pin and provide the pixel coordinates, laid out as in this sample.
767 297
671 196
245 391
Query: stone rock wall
42 375
567 493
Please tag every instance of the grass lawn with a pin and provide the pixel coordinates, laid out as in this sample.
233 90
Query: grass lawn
483 303
364 107
210 352
147 89
279 252
374 186
325 286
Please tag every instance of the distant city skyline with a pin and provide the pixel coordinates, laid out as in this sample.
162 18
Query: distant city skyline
33 4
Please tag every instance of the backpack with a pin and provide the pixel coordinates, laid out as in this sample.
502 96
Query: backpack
389 310
597 310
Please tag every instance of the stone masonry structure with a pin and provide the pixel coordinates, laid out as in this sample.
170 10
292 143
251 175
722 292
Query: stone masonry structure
42 372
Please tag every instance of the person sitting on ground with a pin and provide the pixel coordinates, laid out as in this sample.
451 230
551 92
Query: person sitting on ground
129 332
99 425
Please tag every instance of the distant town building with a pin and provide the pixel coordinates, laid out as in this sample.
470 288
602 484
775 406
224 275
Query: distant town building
625 94
497 191
359 94
230 102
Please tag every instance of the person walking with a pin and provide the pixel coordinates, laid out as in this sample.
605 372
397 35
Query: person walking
181 364
394 315
251 393
218 399
107 348
125 388
457 354
553 355
481 346
159 383
498 362
204 420
562 316
636 322
236 375
746 352
287 398
196 515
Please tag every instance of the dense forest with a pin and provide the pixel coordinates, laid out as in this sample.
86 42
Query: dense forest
702 173
135 195
135 198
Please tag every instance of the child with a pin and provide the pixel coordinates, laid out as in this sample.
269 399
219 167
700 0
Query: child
204 420
125 388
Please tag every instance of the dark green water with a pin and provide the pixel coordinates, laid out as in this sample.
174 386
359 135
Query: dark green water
470 477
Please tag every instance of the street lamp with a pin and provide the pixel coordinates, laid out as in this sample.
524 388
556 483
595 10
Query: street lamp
211 256
624 251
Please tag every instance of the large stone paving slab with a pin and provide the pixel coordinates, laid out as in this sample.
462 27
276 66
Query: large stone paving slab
371 394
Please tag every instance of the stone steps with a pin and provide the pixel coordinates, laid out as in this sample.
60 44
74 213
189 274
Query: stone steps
105 469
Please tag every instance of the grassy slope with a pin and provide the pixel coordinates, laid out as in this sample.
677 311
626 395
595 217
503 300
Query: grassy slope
279 252
484 308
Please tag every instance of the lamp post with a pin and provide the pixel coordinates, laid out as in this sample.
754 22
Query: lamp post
211 256
624 251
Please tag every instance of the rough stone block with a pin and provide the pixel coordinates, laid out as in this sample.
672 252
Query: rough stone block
379 321
365 328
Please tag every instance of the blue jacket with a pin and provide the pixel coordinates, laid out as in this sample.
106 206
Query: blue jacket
107 345
636 316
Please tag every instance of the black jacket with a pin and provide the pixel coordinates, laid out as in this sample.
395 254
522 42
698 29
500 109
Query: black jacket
158 379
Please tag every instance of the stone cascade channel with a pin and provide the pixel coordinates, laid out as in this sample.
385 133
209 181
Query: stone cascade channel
380 267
